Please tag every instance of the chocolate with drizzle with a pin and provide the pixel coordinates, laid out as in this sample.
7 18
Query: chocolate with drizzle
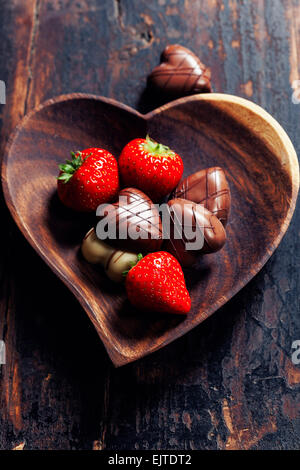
135 213
208 187
180 73
184 212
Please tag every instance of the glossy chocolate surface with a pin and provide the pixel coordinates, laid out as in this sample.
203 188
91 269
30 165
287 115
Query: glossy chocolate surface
135 215
208 187
187 214
180 73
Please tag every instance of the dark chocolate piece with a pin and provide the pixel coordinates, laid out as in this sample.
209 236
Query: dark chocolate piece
180 73
188 218
134 215
208 187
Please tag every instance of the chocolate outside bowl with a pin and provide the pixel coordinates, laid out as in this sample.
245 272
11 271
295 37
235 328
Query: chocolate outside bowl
206 130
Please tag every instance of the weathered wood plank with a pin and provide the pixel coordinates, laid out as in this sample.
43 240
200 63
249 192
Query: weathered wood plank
228 384
16 27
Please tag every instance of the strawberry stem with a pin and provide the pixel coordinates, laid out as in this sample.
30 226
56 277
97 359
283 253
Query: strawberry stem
68 169
155 148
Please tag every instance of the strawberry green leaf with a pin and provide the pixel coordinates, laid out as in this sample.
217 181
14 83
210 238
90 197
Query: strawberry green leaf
155 148
69 168
64 177
132 264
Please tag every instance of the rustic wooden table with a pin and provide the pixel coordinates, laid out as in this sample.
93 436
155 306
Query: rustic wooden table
230 383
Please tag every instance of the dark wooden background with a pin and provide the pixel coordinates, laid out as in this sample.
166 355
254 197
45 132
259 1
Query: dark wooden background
230 383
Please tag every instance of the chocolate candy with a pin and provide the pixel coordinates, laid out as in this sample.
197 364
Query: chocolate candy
193 231
132 224
208 187
114 261
180 73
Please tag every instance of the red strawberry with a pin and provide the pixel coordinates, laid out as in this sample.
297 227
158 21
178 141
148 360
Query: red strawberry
151 167
157 283
89 179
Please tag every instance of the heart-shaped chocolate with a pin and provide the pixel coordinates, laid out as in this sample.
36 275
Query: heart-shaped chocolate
180 73
208 187
260 163
132 223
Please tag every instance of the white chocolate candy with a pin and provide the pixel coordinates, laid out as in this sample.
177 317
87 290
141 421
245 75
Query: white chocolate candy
120 261
115 262
94 250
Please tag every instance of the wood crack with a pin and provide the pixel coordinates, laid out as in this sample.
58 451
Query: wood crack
32 48
119 13
100 444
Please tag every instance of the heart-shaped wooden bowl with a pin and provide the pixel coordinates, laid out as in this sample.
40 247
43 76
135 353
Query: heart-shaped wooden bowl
206 130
